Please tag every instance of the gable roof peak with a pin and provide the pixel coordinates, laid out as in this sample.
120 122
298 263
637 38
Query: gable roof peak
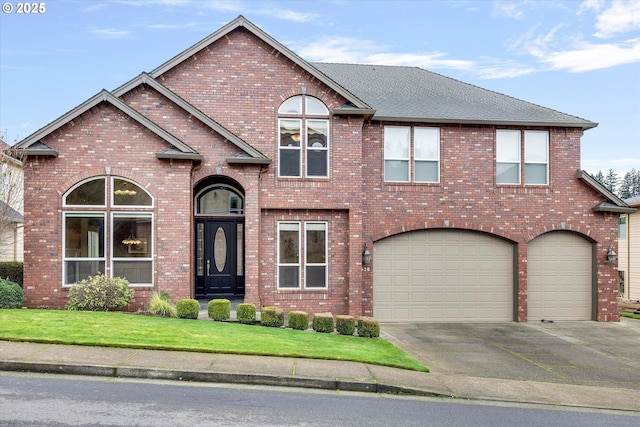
242 22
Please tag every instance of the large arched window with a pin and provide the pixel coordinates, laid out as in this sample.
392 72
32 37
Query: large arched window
303 123
101 207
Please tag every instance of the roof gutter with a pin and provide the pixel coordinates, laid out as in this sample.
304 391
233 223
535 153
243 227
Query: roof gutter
584 126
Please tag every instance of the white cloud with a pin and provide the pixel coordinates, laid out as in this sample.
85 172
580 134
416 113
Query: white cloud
590 56
620 17
508 10
290 15
110 33
225 5
172 26
338 49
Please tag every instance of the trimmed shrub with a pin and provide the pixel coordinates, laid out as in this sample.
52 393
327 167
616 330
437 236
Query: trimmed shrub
12 271
159 305
345 325
272 316
188 309
299 320
246 313
368 327
219 309
100 293
323 322
11 295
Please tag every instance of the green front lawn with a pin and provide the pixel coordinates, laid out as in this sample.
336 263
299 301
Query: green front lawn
630 315
113 329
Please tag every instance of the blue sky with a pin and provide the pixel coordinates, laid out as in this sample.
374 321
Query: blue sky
578 57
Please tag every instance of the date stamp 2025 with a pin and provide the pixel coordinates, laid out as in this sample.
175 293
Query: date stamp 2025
32 8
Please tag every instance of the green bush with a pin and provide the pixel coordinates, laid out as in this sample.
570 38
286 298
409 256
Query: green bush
100 293
272 316
345 325
246 313
219 309
159 305
12 271
299 320
323 322
188 308
165 296
368 327
11 295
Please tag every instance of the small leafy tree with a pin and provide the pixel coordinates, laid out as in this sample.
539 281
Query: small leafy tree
100 293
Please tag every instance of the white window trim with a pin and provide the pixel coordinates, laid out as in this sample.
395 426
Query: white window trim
298 264
525 162
65 258
407 159
150 245
436 160
101 211
304 117
72 189
112 198
413 159
326 255
519 162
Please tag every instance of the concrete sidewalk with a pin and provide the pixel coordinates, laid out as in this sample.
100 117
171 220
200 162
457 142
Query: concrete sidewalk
293 372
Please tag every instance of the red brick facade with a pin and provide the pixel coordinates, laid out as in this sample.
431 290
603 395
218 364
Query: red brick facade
240 80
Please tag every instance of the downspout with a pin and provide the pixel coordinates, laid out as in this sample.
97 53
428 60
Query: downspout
263 169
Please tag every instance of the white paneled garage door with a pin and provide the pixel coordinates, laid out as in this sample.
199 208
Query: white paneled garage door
559 277
443 275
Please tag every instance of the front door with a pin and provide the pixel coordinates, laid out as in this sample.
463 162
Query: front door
219 257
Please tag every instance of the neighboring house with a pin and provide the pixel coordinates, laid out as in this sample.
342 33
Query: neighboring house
629 252
11 200
238 168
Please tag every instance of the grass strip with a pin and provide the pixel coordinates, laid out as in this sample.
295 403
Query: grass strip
630 315
115 329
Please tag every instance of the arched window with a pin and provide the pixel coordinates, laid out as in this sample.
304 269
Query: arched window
90 216
303 125
219 200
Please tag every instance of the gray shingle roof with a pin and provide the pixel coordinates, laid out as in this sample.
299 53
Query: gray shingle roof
414 94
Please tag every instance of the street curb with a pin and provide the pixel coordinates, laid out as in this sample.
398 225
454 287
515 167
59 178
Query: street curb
213 377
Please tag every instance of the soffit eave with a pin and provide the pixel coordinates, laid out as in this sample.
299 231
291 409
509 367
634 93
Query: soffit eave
613 209
248 161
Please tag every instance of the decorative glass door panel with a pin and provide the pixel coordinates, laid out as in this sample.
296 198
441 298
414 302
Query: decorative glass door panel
219 256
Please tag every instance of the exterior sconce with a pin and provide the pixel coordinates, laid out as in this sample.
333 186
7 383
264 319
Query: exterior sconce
612 256
366 255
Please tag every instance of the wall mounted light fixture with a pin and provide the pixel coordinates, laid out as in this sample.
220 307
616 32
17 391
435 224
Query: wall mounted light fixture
612 256
366 255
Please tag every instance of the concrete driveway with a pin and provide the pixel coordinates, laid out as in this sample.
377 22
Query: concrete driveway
584 353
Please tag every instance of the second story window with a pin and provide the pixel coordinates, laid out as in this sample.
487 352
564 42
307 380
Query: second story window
402 144
512 146
303 127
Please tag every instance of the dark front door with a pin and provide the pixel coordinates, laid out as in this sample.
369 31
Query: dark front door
219 257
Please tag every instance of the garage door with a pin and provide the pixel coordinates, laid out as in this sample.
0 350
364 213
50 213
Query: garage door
443 275
559 277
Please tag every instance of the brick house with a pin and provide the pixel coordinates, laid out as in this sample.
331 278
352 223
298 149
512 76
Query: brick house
237 168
